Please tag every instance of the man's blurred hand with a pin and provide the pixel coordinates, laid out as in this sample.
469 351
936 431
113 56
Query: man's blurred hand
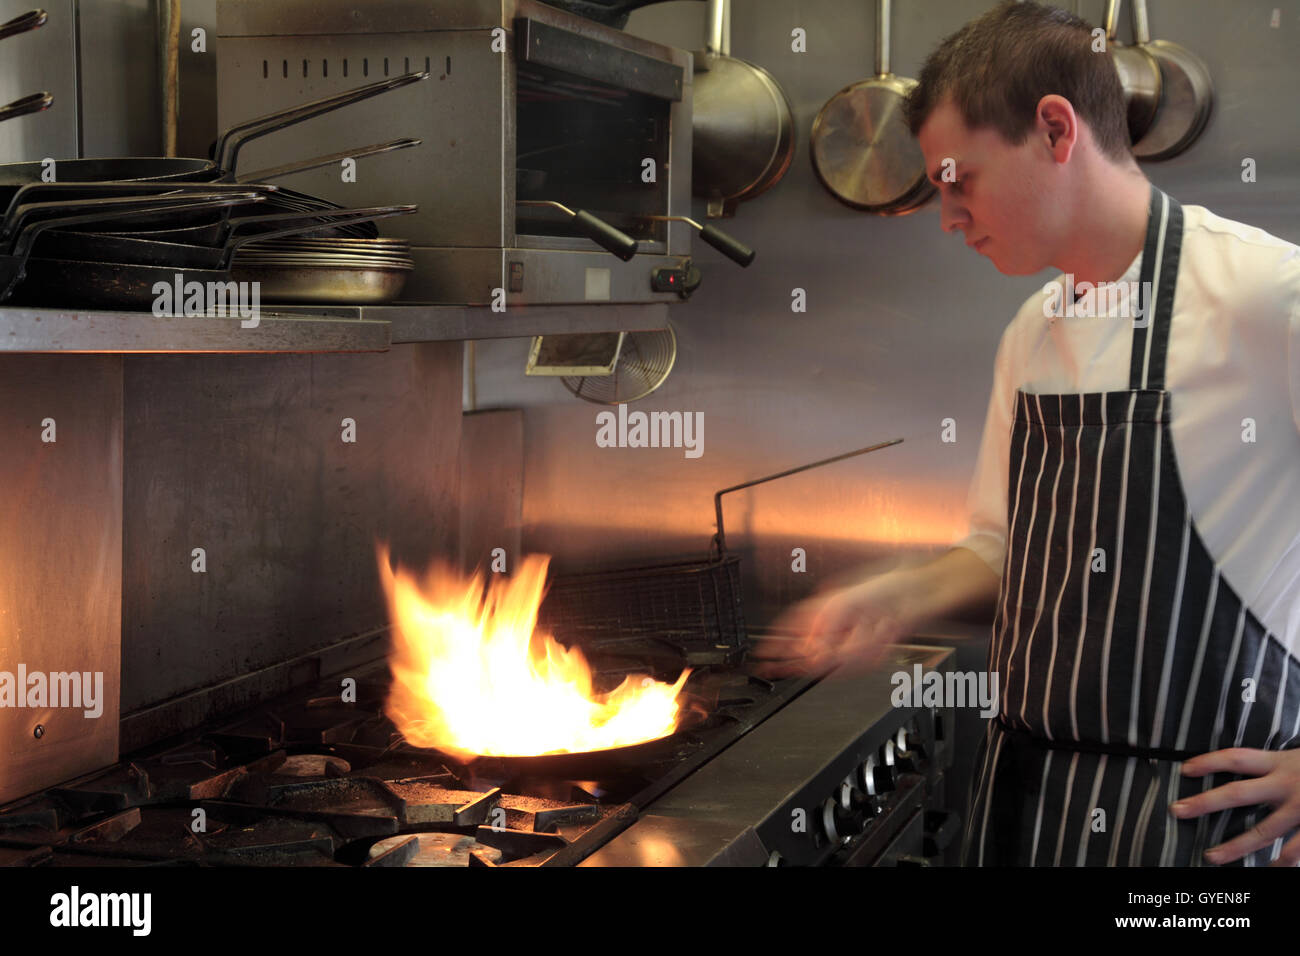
850 627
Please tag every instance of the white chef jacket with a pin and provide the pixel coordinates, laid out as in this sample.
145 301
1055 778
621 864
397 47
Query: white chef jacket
1233 367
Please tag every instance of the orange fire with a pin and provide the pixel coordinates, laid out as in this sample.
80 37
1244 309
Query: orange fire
473 675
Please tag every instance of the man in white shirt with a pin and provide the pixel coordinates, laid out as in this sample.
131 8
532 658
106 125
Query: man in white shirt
1134 507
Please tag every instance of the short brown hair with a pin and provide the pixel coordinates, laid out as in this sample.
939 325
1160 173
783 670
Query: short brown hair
997 67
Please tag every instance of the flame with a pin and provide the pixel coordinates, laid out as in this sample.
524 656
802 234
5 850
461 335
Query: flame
473 675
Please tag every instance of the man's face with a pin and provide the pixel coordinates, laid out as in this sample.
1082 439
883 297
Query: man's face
1001 200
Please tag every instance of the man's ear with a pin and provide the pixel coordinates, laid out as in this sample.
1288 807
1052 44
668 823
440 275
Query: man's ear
1057 125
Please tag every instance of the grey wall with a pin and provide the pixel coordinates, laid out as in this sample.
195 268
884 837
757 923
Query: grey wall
902 323
243 456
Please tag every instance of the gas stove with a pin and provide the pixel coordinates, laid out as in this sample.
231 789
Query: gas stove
309 780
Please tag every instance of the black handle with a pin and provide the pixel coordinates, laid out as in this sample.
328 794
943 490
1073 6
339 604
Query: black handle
23 22
616 241
28 104
732 248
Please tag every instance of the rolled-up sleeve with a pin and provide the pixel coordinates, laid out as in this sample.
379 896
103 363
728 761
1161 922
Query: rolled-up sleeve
986 501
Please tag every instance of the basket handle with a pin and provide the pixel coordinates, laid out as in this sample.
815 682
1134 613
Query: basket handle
719 547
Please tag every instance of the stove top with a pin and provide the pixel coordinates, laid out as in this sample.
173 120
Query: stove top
308 780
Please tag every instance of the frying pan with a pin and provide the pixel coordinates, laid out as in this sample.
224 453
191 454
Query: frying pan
584 765
209 229
862 150
229 143
1187 94
23 23
742 126
34 103
127 250
133 250
15 261
1139 74
130 285
313 282
199 227
71 194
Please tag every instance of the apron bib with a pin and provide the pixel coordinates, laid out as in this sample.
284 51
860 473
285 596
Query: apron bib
1120 649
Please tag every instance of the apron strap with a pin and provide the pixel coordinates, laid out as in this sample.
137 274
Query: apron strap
1116 750
1160 256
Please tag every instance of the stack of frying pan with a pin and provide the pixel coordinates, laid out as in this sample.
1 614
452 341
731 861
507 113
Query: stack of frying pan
312 270
104 231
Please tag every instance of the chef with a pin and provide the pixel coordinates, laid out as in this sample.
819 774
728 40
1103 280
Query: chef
1135 511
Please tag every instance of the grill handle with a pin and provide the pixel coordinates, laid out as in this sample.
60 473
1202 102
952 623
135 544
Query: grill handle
719 539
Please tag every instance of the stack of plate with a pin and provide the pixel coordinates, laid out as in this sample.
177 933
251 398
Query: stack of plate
332 269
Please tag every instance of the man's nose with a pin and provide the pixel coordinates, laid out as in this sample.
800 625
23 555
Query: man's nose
951 214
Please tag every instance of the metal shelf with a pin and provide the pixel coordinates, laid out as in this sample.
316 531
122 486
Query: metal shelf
307 329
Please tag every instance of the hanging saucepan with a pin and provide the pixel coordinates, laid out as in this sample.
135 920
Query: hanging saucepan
743 127
22 23
1139 74
159 168
862 150
1187 94
28 104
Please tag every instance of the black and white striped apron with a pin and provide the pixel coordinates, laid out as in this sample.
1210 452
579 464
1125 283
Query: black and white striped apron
1120 649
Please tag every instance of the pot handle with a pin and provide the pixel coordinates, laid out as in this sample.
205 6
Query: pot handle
1141 26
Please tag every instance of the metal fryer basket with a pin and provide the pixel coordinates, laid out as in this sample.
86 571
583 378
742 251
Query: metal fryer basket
693 608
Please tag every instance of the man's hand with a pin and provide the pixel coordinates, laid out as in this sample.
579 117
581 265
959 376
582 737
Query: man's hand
1277 784
851 626
855 625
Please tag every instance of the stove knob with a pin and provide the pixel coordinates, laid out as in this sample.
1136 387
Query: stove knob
908 753
856 806
839 823
884 773
828 820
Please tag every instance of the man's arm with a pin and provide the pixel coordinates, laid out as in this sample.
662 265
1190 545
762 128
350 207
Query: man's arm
957 580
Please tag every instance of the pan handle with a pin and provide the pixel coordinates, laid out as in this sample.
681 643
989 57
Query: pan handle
1112 19
344 217
230 142
884 40
113 208
306 164
719 539
1141 26
22 23
28 104
29 191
